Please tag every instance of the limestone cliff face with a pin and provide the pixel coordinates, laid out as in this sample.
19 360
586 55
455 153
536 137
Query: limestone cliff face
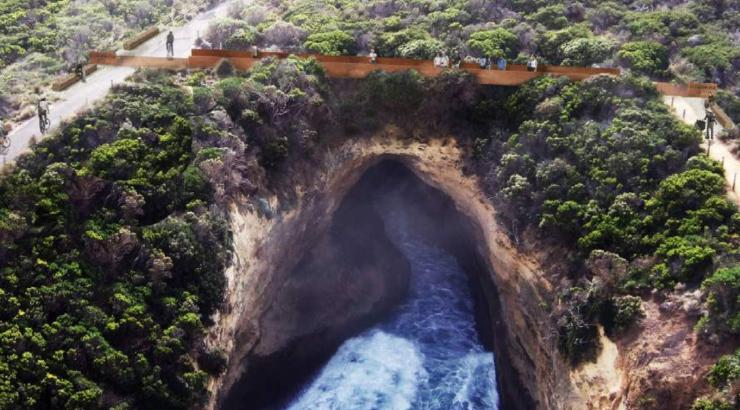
274 314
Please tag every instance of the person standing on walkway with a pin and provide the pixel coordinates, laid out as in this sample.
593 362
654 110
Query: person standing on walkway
170 44
483 62
373 56
80 70
501 63
444 61
710 119
532 64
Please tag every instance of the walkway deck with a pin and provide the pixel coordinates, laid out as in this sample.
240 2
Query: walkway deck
348 67
360 67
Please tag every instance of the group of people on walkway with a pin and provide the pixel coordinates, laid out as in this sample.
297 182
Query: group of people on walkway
442 60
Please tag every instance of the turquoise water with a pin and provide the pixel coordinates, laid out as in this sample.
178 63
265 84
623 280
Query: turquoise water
426 355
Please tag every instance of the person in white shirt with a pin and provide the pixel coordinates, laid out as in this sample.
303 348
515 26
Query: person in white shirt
444 61
532 64
373 56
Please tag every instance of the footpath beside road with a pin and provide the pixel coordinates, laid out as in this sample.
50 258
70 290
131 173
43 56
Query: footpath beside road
82 96
691 109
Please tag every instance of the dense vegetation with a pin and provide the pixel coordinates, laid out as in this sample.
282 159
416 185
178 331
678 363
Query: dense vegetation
112 261
108 230
41 39
686 41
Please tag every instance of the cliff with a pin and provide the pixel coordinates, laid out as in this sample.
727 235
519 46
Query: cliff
276 316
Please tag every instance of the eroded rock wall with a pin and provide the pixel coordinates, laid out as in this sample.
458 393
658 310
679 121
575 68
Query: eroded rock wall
268 250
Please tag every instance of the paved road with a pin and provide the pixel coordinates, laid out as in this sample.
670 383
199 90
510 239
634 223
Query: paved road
692 109
81 96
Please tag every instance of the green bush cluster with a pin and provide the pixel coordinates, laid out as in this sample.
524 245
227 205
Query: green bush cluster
581 33
724 376
647 57
603 165
109 276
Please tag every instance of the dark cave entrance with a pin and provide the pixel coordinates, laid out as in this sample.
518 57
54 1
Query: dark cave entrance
358 243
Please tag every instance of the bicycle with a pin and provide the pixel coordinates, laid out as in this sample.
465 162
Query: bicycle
4 144
44 123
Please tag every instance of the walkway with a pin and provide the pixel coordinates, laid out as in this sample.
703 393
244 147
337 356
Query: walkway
80 96
347 66
691 109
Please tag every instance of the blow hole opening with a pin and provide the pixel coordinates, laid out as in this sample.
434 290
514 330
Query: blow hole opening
399 306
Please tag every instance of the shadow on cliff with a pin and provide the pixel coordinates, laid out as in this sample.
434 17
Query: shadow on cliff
353 278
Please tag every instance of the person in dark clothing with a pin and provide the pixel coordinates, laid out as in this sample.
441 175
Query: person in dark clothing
710 119
80 71
170 44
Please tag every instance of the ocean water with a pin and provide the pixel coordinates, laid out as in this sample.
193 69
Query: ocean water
426 355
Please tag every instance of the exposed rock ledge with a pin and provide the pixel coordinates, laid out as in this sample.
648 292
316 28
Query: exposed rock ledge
266 250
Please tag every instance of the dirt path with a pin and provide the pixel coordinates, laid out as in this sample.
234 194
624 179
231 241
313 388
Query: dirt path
82 96
691 109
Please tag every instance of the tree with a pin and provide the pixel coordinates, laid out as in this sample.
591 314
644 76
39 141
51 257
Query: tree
420 48
227 31
585 51
645 57
498 42
332 43
283 35
723 295
549 43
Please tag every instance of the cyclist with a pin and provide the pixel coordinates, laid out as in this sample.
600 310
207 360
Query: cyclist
43 112
4 139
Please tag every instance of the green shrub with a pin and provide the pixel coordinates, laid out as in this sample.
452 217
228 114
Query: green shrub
723 299
718 54
420 48
622 312
726 371
333 43
274 151
705 404
645 57
225 68
578 336
498 42
585 51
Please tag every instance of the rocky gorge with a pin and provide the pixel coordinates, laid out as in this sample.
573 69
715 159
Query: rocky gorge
278 318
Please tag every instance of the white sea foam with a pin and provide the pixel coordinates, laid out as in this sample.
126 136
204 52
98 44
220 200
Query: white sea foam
372 371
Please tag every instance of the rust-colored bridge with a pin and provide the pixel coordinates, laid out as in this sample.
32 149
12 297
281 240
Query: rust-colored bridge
359 67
